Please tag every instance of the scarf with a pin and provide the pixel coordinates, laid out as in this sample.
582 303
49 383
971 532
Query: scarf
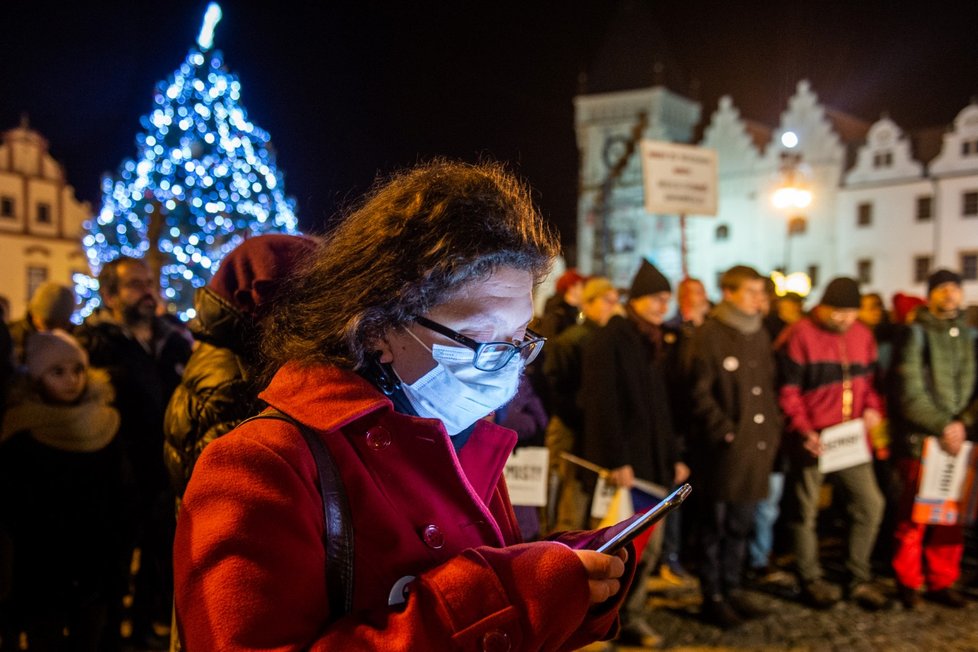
83 427
651 332
728 314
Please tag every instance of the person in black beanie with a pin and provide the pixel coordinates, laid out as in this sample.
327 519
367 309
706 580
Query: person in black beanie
937 381
628 425
827 368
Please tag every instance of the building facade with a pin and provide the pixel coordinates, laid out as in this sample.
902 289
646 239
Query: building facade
887 207
613 229
41 220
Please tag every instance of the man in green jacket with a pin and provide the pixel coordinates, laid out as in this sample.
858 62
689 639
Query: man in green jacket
937 387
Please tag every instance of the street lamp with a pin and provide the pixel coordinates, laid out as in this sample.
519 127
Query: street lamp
792 194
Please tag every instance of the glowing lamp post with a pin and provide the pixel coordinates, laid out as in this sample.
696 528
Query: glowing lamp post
792 194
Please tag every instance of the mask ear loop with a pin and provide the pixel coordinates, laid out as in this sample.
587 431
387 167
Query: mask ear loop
418 340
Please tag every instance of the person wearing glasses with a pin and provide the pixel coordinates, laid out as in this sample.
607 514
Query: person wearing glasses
144 355
406 328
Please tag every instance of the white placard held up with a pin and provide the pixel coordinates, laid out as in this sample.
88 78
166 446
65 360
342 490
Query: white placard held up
604 492
679 179
942 475
526 476
843 446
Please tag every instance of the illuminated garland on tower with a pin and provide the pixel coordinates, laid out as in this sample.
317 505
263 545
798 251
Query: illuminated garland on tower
203 180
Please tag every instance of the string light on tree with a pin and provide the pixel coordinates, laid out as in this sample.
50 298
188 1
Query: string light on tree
203 180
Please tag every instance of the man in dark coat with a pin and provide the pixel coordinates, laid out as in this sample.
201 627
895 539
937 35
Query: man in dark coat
144 356
737 428
627 421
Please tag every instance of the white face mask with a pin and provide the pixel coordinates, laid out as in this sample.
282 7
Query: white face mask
458 394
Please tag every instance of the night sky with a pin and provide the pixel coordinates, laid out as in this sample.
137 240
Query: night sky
352 90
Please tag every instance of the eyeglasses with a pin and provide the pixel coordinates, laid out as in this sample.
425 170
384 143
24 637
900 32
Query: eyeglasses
138 284
491 356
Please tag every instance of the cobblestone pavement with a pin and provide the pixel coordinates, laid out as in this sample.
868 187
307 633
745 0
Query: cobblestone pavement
796 627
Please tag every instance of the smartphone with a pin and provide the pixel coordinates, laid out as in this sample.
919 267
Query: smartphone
640 523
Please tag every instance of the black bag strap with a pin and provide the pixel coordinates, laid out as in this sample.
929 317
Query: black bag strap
338 532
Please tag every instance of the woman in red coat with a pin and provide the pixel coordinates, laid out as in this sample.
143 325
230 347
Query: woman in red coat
408 326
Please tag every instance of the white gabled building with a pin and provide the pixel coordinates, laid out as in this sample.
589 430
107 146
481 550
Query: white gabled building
888 207
40 220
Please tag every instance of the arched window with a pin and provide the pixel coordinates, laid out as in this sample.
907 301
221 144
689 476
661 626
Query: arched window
723 232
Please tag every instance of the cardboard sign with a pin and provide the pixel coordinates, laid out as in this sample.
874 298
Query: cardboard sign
946 482
844 446
526 476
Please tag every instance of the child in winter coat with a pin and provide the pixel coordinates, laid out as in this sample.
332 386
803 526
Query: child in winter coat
64 489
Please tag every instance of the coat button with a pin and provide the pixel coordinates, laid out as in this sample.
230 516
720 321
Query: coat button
954 332
433 536
378 437
761 445
758 418
756 390
496 641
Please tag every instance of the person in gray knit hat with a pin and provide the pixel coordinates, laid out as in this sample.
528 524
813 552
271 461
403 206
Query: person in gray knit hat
50 307
64 501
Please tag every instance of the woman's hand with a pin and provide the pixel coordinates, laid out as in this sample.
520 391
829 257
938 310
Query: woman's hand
603 572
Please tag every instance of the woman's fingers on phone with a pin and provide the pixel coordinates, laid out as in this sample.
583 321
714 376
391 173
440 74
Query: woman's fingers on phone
603 572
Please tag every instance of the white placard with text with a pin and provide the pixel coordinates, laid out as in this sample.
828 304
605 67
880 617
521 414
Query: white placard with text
526 476
942 476
843 446
679 178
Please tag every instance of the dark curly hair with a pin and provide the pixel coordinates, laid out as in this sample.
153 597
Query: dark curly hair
412 242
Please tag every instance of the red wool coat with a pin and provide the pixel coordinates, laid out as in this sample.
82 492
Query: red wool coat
249 557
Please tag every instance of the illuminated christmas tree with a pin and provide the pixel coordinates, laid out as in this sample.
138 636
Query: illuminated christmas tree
203 180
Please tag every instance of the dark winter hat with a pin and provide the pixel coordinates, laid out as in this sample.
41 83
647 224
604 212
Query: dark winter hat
250 276
940 277
648 280
841 292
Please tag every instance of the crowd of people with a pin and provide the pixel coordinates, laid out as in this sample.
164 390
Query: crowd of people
734 396
102 424
316 460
